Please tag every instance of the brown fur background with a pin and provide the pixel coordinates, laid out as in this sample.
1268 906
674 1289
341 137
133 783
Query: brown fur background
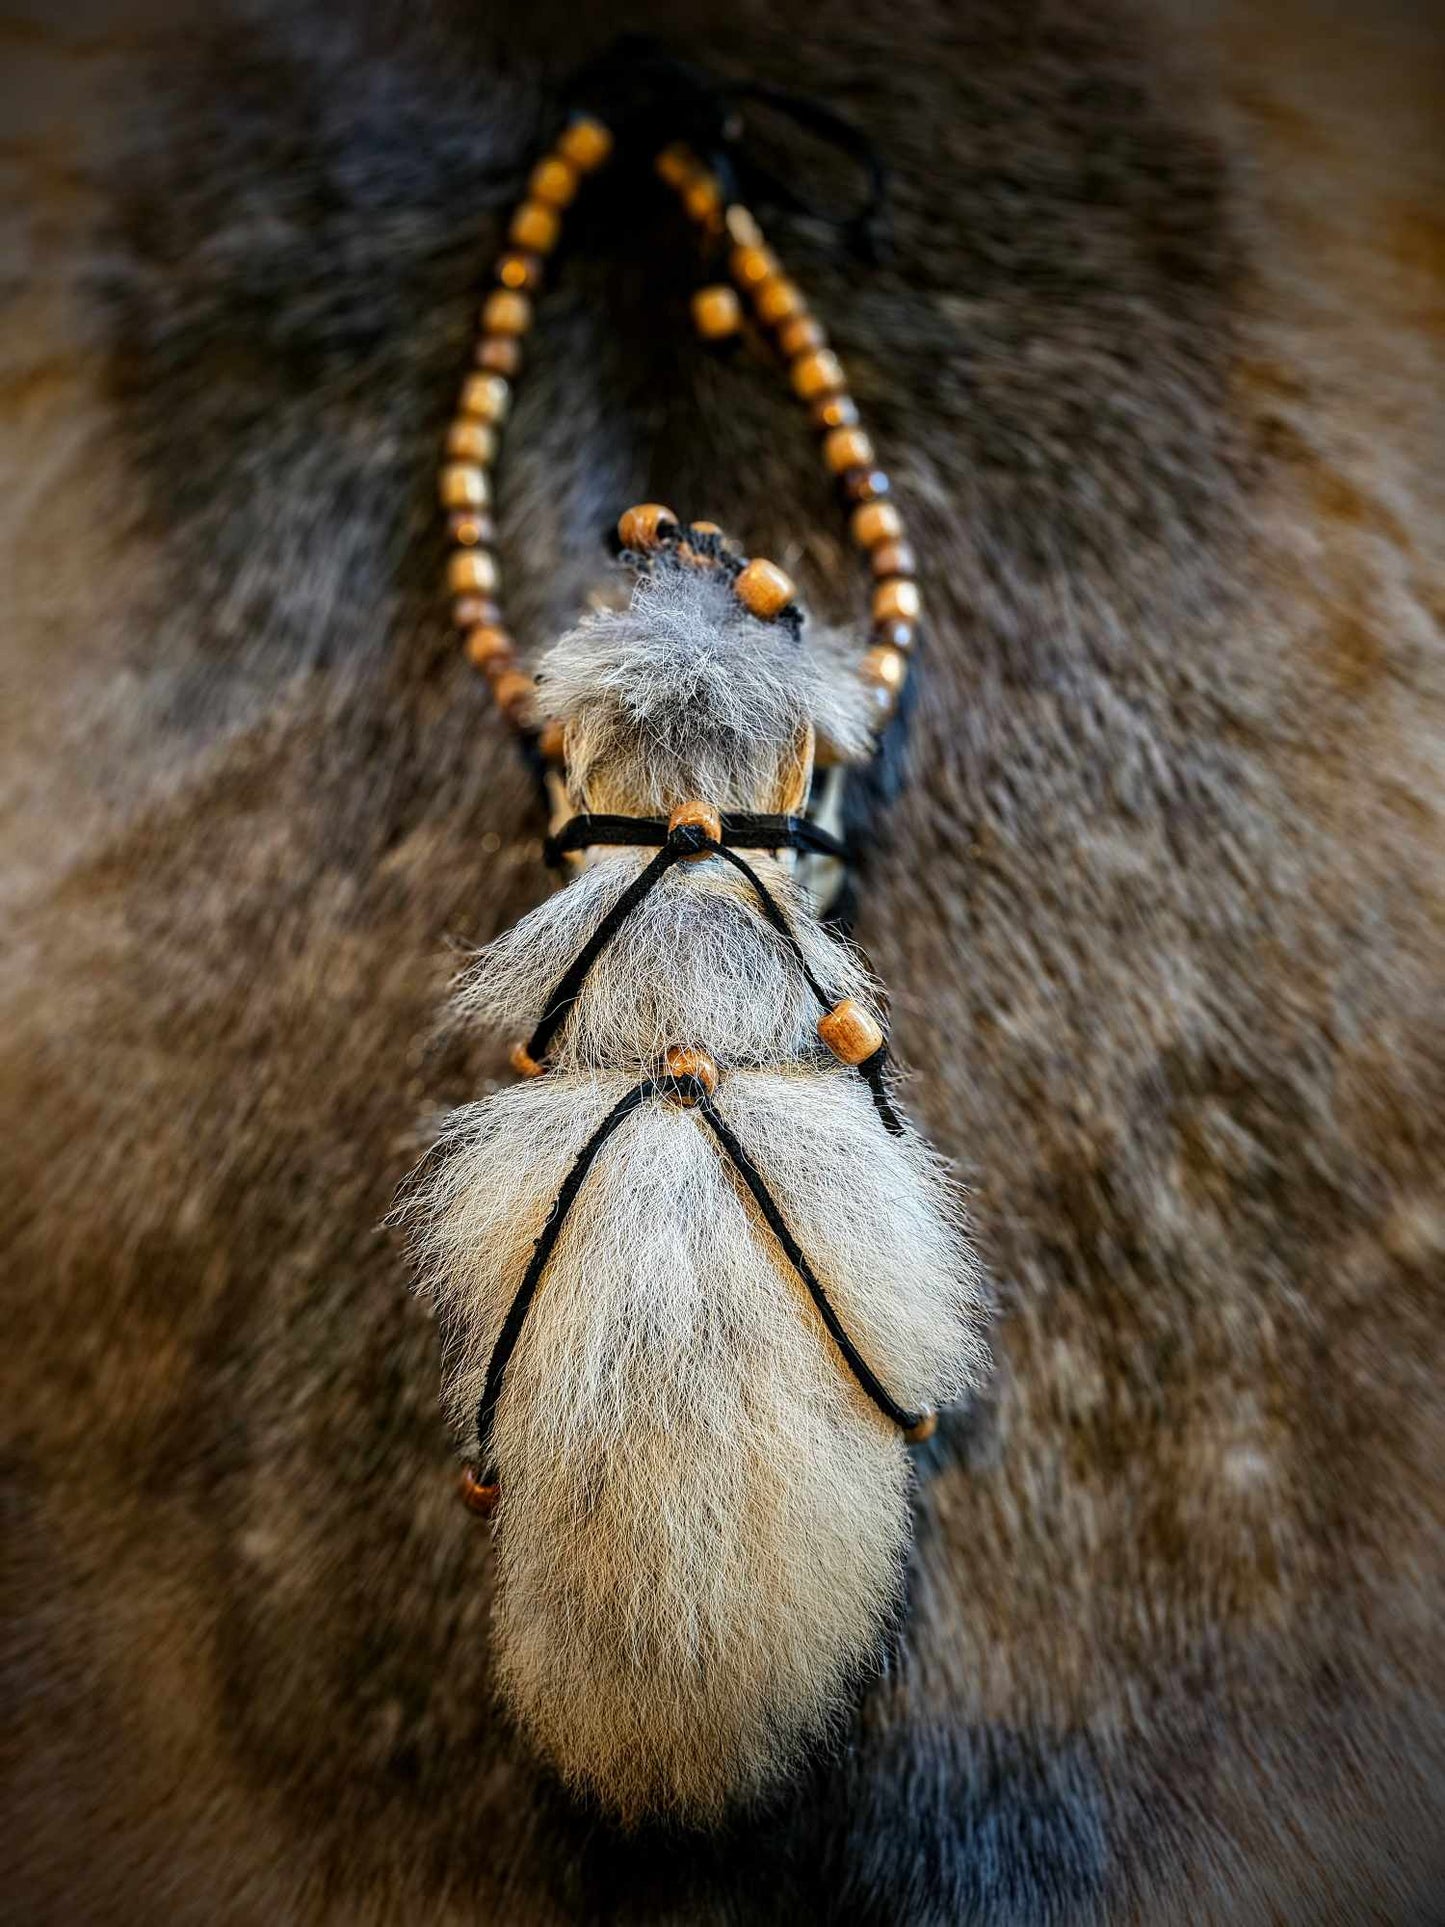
1157 370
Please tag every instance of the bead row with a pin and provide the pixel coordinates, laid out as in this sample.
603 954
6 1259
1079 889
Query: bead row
473 575
765 591
815 372
818 379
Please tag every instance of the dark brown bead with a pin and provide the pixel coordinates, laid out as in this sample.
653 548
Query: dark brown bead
499 354
898 634
893 558
472 611
521 271
865 484
834 411
470 529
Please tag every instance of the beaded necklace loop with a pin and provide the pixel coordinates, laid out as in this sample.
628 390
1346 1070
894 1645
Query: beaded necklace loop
757 293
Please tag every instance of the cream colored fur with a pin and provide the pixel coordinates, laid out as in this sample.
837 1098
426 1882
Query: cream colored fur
704 1519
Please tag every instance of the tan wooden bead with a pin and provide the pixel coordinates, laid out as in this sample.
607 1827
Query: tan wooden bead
893 558
925 1429
680 1062
743 230
645 524
850 1031
698 815
875 522
801 336
676 165
486 398
778 299
752 266
523 1064
884 666
702 201
506 312
834 411
499 354
520 271
464 485
471 529
477 1496
535 226
472 572
488 645
716 312
897 600
586 142
513 690
817 374
552 742
845 448
764 589
472 441
554 181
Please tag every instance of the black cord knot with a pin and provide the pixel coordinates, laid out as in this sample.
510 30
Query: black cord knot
690 839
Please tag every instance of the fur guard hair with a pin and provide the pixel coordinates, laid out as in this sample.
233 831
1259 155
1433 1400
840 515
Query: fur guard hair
1154 365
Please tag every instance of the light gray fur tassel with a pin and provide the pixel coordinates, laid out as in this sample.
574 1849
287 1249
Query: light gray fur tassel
704 1519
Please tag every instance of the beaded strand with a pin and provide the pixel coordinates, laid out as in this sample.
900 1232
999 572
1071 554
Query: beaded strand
816 376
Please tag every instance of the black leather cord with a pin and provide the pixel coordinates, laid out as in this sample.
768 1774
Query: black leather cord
742 830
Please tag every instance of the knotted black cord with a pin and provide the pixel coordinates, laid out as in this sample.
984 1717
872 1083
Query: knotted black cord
741 830
689 839
693 1091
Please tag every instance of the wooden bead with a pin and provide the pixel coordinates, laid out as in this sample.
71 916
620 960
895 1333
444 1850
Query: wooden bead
893 558
845 448
752 266
521 271
925 1429
644 525
506 312
777 300
472 442
473 611
499 354
884 666
489 645
898 635
696 555
865 484
524 1064
554 181
535 227
485 398
464 485
585 142
552 743
471 530
817 374
513 690
676 165
834 411
875 522
472 572
702 201
680 1062
716 313
743 230
801 336
477 1497
897 600
850 1031
763 589
701 816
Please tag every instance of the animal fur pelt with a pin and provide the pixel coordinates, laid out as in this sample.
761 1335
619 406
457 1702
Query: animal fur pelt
1154 364
704 1518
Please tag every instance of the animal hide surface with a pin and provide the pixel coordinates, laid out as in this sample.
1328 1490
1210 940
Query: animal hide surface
1154 364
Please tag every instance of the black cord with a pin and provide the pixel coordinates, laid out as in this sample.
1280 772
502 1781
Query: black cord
741 830
690 1090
